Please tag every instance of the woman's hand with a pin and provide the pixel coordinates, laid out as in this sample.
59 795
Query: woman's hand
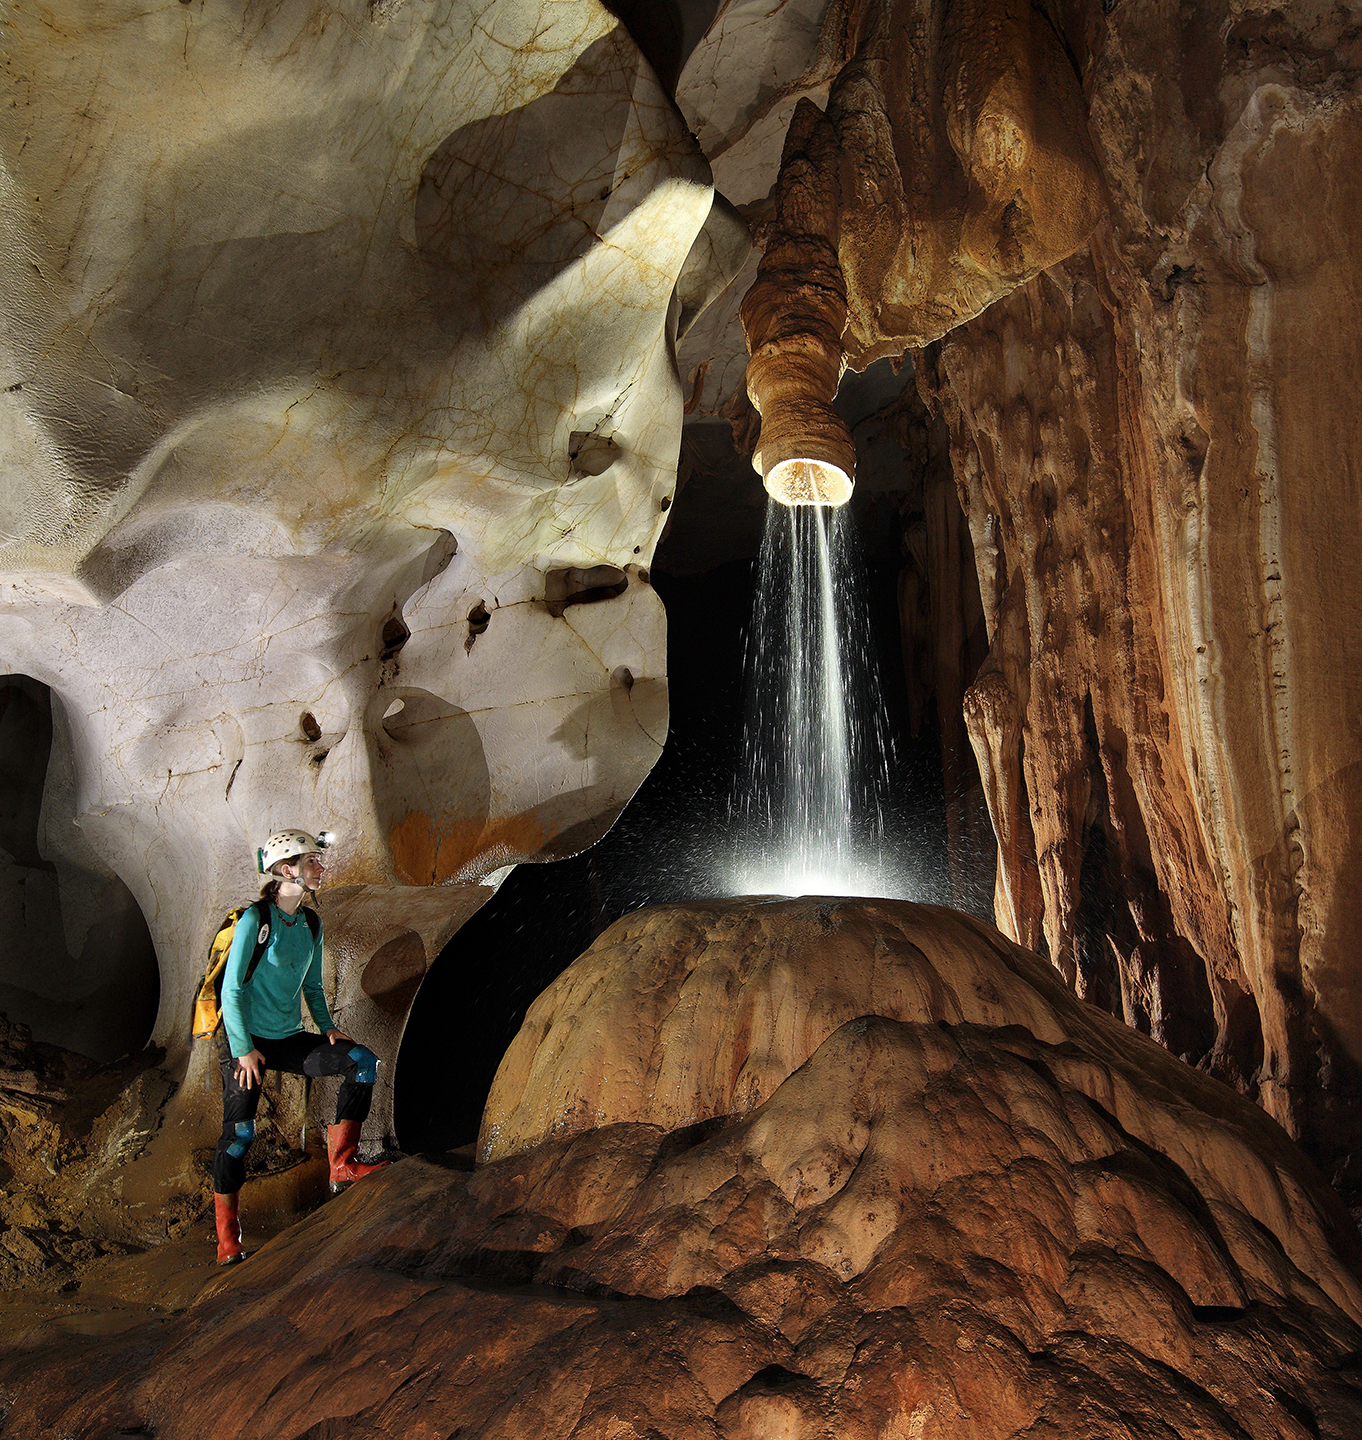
336 1036
250 1069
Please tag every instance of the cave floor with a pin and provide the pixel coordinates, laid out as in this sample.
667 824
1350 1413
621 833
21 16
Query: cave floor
117 1292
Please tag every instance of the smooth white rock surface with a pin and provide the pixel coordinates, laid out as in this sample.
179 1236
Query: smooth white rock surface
322 324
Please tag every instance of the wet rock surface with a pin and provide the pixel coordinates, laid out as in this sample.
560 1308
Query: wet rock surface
1028 1221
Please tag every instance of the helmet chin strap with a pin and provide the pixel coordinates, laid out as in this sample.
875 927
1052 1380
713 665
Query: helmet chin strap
297 880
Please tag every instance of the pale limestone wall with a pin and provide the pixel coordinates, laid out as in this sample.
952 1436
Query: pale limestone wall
334 342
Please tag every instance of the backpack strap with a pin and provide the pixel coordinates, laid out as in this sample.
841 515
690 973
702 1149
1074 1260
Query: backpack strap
208 1002
262 936
264 929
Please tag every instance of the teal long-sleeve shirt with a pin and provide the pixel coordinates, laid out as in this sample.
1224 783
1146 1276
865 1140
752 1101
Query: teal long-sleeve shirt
291 966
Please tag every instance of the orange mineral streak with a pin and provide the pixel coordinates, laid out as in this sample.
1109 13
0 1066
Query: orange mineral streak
425 853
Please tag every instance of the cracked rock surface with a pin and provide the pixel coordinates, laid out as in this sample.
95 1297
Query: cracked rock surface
336 355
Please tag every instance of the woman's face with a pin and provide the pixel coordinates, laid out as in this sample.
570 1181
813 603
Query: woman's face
310 871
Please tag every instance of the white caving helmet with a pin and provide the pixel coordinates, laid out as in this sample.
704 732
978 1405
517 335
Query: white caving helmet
288 845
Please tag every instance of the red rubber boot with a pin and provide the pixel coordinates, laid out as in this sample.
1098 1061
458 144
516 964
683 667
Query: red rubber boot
342 1141
229 1228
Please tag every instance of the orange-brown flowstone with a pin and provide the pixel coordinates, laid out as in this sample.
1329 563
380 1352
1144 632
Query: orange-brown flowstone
836 1168
952 164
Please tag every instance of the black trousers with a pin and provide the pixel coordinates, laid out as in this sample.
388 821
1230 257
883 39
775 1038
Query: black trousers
301 1054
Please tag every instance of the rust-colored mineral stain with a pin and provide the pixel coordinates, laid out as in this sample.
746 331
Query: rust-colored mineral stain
425 853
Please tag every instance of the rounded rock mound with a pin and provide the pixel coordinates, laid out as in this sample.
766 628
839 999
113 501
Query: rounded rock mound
813 1168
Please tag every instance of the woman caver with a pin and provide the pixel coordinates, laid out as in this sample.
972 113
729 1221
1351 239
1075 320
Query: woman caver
262 1027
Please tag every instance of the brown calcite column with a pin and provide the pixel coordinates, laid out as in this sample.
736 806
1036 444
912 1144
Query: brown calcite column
951 165
793 318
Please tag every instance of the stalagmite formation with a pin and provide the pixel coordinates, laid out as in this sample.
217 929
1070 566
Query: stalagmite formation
1155 443
845 1169
339 418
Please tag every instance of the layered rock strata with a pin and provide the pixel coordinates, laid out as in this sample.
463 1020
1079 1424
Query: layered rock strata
833 1168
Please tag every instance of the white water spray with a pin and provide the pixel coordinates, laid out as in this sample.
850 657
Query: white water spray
809 812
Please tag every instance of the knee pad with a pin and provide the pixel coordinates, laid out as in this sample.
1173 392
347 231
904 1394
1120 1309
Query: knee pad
245 1137
366 1065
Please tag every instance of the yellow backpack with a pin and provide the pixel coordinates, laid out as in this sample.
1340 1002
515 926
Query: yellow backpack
208 1002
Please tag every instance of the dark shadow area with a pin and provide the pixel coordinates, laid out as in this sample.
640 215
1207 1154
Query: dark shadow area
78 967
666 31
677 838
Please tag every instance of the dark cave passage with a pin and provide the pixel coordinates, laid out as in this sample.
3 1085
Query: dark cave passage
100 997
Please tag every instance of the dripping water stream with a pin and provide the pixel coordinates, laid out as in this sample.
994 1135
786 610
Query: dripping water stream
809 809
